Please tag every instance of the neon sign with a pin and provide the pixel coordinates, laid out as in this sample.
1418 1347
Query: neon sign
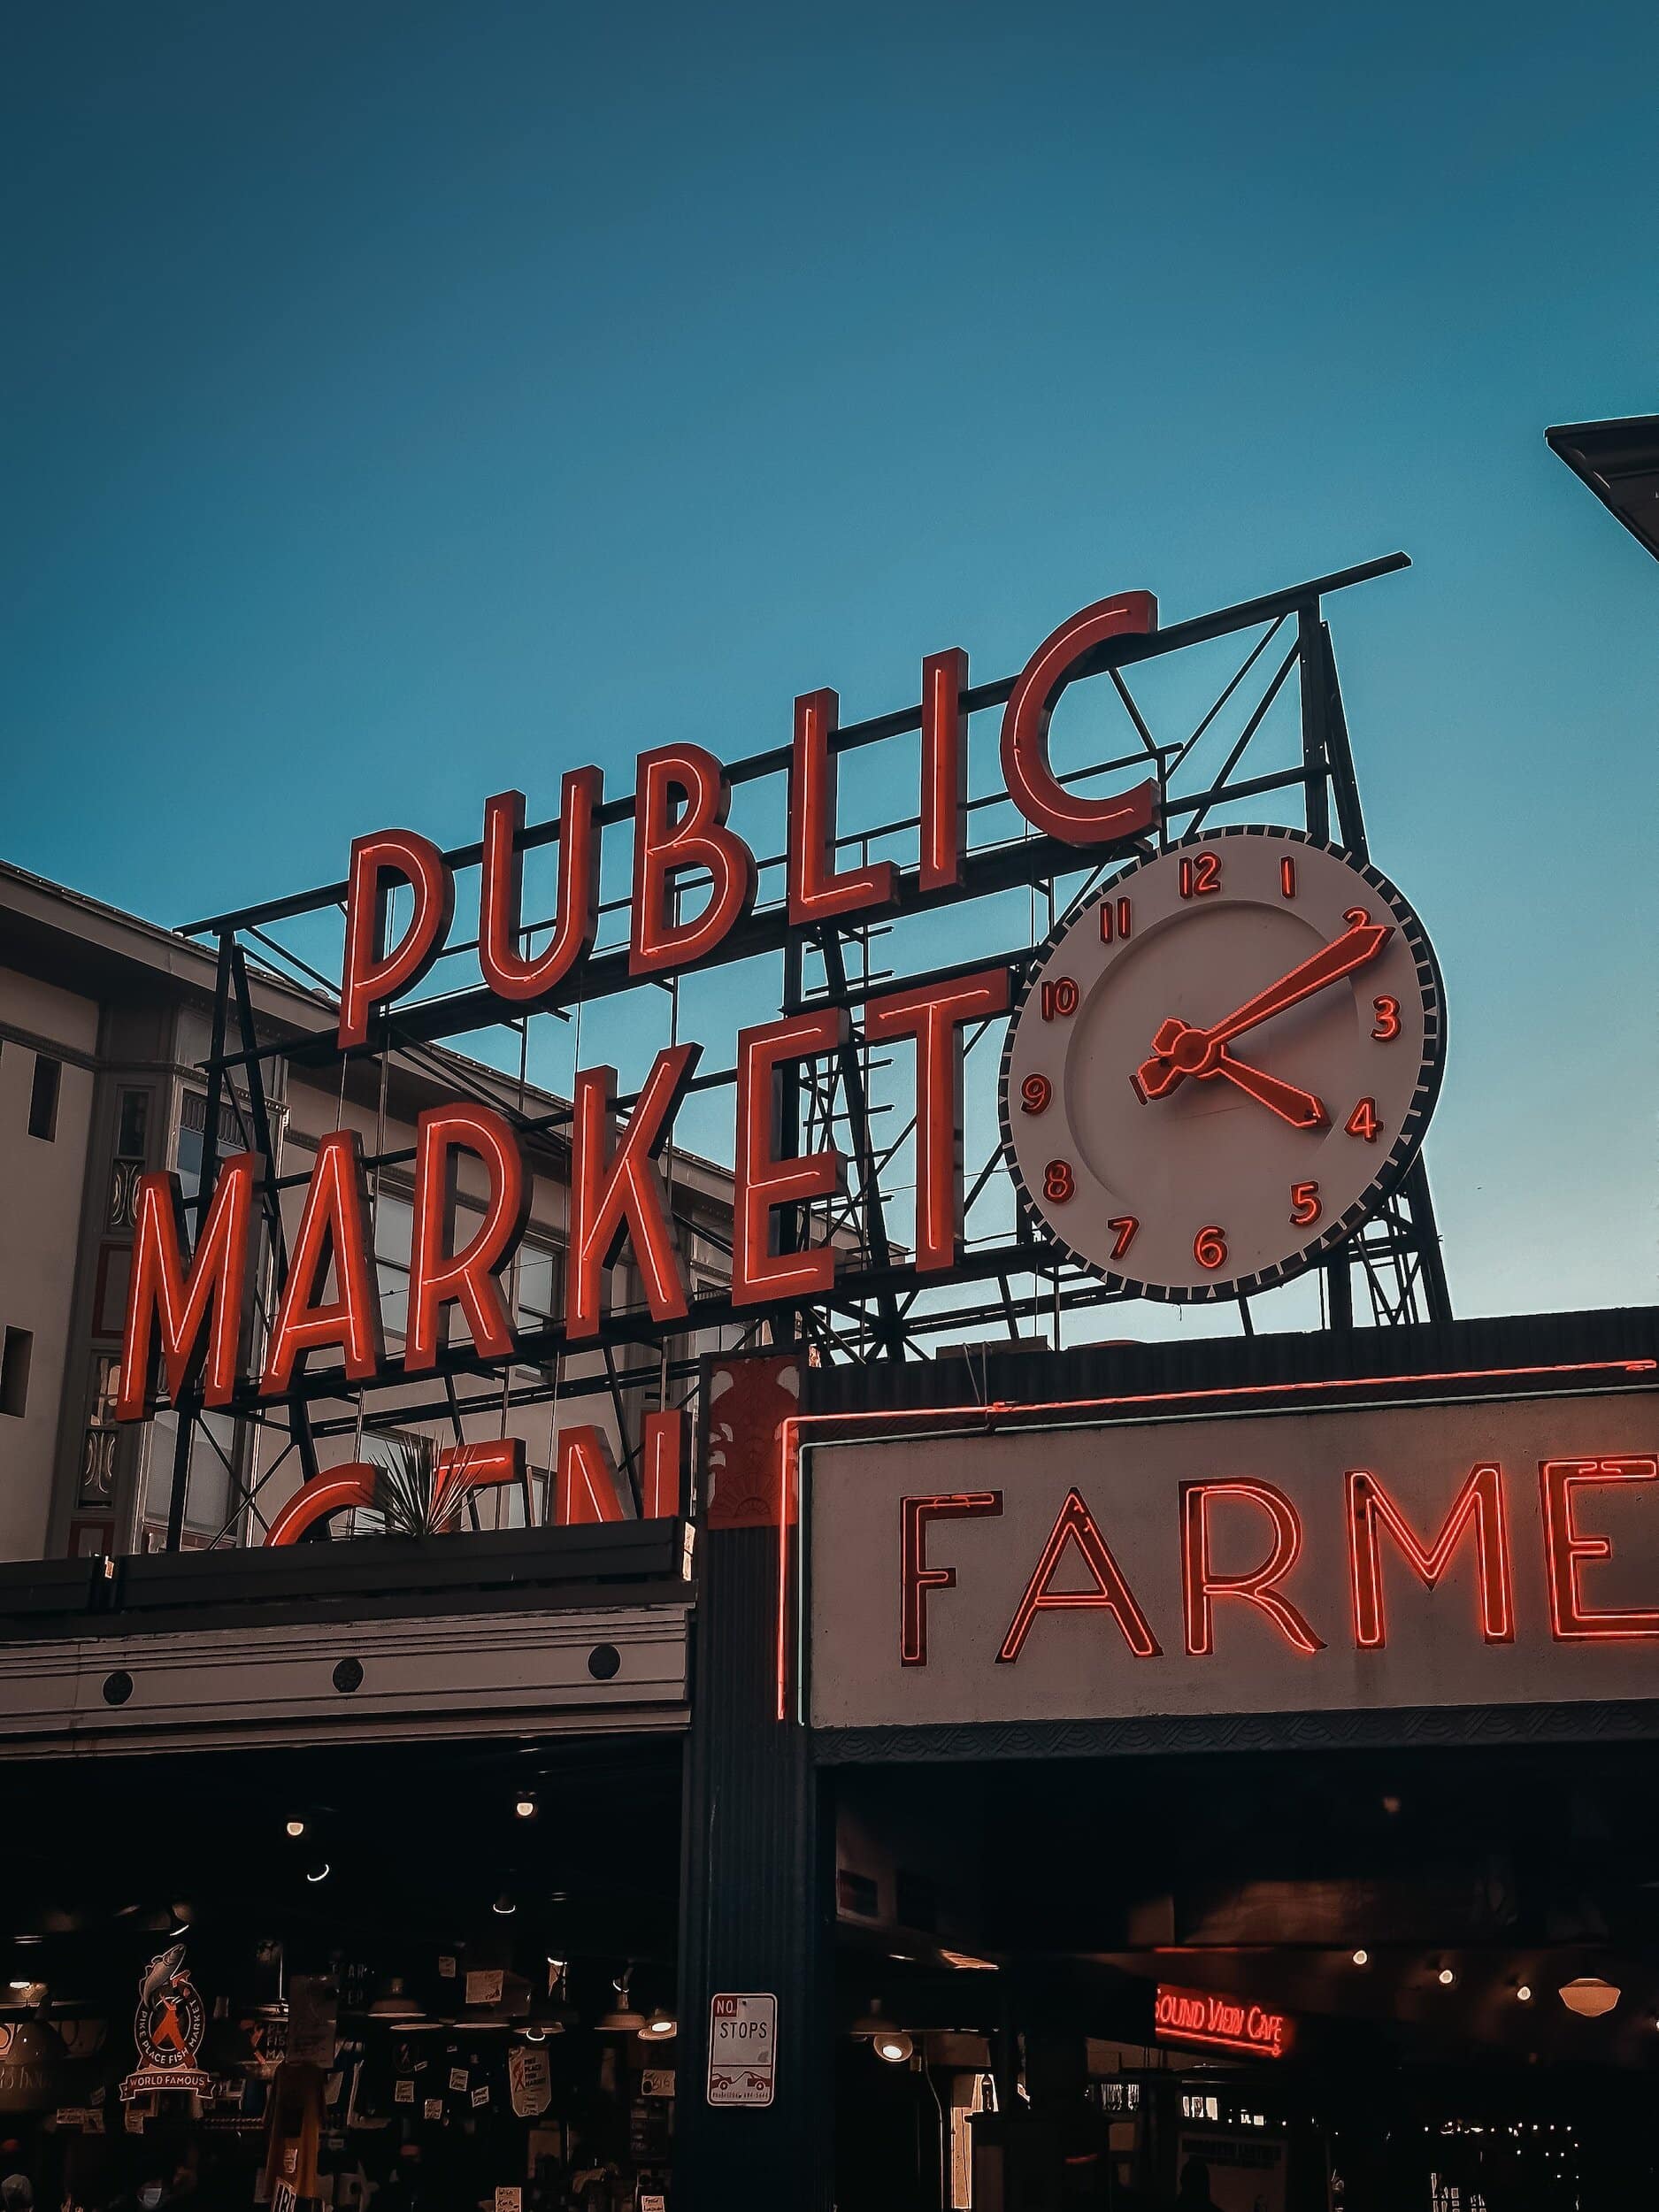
1221 2024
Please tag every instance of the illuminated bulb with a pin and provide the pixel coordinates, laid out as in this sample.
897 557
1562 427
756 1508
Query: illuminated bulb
1524 1994
1362 1958
319 1872
504 1906
524 1805
1589 1996
892 2047
19 1986
295 1827
1447 1977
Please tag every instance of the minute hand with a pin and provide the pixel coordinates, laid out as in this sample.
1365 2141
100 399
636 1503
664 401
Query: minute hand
1196 1048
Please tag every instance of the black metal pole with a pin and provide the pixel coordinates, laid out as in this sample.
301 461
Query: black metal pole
189 1402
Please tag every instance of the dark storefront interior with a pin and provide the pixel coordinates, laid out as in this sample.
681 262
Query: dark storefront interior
486 1910
1413 1917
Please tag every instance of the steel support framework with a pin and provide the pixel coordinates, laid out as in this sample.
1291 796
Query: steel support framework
880 1308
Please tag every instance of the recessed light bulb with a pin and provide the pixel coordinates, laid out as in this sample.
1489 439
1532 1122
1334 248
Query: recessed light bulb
1447 1977
524 1805
1362 1958
295 1827
1524 1994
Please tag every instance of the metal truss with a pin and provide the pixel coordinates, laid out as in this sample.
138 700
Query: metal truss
1006 1281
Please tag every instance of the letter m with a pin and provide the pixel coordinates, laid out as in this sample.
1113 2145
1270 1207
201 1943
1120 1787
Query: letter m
1479 1508
196 1312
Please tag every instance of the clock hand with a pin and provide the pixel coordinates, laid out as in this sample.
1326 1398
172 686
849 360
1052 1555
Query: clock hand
1180 1049
1300 1109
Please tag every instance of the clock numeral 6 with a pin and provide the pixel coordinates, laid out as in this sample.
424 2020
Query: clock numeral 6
1363 1121
1059 999
1387 1025
1201 873
1035 1094
1304 1203
1058 1183
1124 1229
1210 1248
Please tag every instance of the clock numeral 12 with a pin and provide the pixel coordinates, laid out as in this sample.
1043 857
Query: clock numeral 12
1210 1248
1201 873
1059 999
1363 1121
1288 878
1116 915
1304 1203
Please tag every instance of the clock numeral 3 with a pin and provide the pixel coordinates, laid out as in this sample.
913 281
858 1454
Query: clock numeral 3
1210 1248
1363 1121
1304 1203
1058 1183
1034 1094
1124 1229
1059 999
1201 873
1116 915
1387 1025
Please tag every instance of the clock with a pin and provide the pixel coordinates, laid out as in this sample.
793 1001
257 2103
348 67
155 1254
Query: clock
1222 1064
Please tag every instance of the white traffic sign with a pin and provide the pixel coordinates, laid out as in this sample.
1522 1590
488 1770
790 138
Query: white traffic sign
742 2046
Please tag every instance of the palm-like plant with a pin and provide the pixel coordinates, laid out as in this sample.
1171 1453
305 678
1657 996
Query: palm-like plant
410 1496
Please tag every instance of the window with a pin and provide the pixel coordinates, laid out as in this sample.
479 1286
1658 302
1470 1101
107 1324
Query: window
393 1235
207 1497
16 1350
43 1098
540 1286
193 1140
134 1121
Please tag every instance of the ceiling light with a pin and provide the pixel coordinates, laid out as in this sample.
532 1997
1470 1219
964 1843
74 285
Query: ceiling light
319 1871
892 2046
1524 1993
295 1827
535 2035
966 1962
1447 1977
662 2023
393 2001
504 1906
1589 1996
525 1805
20 1986
1362 1958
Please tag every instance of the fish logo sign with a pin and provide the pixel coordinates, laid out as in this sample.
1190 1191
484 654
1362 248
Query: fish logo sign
167 2028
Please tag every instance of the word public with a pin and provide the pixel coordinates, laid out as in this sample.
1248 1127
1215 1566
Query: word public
184 1320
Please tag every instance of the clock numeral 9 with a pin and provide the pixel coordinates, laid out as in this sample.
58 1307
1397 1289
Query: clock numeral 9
1059 999
1387 1025
1201 873
1210 1248
1124 1229
1035 1094
1304 1203
1116 915
1363 1121
1058 1183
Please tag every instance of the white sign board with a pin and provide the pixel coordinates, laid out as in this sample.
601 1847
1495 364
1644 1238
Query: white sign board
1497 1551
742 2046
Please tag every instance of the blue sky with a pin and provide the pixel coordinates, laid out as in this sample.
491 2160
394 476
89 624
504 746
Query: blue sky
404 401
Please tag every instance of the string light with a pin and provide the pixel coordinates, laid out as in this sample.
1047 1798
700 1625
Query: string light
1362 1958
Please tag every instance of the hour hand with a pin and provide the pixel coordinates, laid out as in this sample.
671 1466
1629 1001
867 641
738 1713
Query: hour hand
1300 1109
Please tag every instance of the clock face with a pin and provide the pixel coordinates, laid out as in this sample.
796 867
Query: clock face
1222 1064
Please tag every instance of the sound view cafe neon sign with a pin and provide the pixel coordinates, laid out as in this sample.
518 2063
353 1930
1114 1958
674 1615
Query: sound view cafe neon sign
184 1316
1221 2024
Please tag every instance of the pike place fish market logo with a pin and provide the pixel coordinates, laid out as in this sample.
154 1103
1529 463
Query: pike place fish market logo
167 2028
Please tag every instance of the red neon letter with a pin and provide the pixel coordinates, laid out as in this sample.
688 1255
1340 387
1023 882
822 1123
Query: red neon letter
933 1015
614 1194
663 1456
916 1577
333 1228
1478 1506
764 1182
1200 1586
160 1290
462 1469
586 1488
500 898
699 838
1031 785
816 892
944 770
1571 1622
1111 1594
371 974
466 1277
